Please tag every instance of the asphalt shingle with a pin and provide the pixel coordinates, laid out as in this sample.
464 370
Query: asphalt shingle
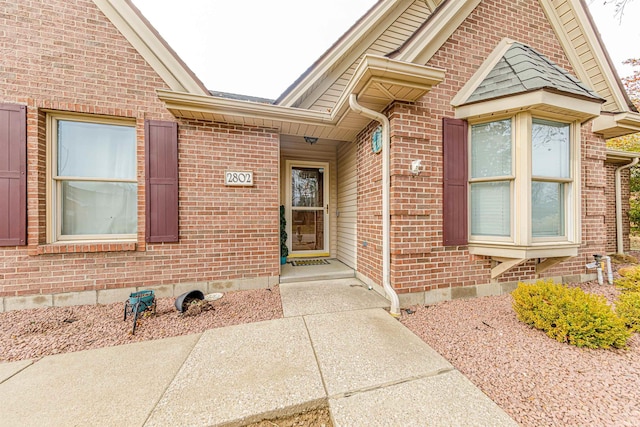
523 69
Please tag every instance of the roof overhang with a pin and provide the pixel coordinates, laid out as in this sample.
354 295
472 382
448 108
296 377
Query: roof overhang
378 81
585 50
347 48
425 42
614 125
548 102
622 157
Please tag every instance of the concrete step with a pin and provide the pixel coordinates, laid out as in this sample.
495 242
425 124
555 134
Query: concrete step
334 270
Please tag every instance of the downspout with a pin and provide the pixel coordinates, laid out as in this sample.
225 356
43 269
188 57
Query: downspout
620 240
386 214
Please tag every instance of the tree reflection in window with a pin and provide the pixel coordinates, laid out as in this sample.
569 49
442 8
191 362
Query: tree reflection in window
306 187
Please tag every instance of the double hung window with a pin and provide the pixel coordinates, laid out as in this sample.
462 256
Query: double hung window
550 177
491 178
92 179
525 199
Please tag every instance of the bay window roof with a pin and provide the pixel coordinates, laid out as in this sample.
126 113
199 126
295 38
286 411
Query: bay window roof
515 77
524 69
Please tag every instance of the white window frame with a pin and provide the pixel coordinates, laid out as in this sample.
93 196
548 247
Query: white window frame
53 182
521 240
510 178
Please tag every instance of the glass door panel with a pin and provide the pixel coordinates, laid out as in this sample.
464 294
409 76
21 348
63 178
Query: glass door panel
308 231
308 210
306 187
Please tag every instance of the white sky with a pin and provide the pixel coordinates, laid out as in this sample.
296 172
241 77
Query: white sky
260 47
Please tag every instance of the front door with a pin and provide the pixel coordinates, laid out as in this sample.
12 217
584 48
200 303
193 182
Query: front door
308 209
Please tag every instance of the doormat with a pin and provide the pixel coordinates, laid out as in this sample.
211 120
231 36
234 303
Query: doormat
305 262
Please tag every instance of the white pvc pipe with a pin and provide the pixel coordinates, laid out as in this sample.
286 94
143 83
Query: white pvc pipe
386 214
609 270
618 185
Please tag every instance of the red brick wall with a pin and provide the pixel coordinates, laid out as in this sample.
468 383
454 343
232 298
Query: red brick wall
369 166
65 55
419 261
610 219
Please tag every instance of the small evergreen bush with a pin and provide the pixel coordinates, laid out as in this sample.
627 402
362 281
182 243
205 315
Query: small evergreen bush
569 315
628 309
630 281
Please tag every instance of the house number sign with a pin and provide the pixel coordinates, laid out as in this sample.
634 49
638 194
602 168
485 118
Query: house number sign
238 178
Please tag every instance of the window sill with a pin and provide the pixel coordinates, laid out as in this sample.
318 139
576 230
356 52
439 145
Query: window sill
64 248
547 250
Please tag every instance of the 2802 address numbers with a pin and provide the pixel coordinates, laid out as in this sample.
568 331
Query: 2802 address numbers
237 178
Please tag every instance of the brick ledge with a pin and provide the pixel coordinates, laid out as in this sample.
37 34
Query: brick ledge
69 248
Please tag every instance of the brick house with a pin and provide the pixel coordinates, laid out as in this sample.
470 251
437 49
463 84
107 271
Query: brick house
439 149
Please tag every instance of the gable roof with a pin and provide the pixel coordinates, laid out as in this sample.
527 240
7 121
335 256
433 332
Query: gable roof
153 48
570 19
524 69
405 31
380 31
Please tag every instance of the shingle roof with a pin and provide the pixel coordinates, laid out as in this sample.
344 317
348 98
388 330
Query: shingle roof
523 69
239 97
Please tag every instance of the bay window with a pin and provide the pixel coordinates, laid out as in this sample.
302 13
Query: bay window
522 183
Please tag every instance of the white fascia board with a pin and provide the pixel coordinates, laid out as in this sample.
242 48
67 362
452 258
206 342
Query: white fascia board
537 100
212 104
342 49
152 48
592 42
614 125
378 68
430 38
371 69
620 155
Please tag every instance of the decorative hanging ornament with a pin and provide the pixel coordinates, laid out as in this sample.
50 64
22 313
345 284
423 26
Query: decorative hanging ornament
376 140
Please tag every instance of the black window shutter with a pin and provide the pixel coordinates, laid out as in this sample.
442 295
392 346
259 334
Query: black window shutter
161 164
13 175
455 169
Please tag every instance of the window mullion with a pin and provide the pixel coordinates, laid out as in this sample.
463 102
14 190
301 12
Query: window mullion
522 184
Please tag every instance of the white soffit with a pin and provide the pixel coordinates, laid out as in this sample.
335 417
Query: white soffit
378 81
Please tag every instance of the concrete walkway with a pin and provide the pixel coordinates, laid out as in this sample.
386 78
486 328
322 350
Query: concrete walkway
335 346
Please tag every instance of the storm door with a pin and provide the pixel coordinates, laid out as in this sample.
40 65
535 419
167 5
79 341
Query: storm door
308 213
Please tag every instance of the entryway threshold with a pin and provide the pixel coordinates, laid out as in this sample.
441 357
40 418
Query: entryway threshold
306 273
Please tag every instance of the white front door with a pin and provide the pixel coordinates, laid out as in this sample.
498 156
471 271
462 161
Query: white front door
307 208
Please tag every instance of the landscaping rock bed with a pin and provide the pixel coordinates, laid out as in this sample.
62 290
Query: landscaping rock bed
31 334
536 380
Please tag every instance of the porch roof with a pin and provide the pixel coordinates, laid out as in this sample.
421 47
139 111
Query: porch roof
378 81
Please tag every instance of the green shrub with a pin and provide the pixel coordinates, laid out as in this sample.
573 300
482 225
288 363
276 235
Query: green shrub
569 315
630 281
628 309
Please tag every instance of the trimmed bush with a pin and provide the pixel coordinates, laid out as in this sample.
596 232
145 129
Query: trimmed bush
628 309
630 280
569 315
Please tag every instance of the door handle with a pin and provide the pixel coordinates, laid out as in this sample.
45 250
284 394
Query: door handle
327 208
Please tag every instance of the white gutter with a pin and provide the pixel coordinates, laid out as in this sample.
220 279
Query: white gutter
620 240
386 214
